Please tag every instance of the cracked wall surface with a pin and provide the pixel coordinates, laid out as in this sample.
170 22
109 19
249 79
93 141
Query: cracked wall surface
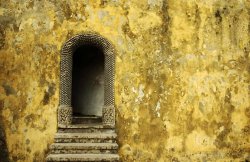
181 76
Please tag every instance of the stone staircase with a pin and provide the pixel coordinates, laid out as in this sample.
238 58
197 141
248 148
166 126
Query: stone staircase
84 142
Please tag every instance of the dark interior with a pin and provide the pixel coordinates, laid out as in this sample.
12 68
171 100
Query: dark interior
88 81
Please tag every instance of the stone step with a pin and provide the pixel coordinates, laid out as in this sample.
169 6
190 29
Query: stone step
85 137
91 125
83 157
86 128
82 147
86 119
80 151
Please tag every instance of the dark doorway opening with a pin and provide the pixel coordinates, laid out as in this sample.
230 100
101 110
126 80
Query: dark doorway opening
88 82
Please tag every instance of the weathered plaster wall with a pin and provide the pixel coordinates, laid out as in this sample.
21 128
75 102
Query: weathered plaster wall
182 75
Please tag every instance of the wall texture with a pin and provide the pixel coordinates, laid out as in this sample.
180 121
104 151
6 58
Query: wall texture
182 75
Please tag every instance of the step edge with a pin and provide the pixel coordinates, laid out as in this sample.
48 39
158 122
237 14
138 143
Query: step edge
83 146
86 136
83 156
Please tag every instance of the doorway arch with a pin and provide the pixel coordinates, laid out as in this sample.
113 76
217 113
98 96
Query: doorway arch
65 110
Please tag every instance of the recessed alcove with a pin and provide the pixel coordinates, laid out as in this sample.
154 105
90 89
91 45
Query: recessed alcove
86 112
88 82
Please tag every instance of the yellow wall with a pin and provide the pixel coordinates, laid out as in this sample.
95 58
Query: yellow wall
182 75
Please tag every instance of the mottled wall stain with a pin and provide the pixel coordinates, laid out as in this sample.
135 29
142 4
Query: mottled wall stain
182 75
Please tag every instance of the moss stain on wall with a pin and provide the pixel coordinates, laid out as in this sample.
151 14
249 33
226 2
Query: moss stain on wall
182 75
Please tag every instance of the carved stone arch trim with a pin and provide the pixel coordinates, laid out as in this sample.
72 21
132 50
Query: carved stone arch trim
65 110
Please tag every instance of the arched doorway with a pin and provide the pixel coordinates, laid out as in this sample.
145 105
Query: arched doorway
86 89
87 80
